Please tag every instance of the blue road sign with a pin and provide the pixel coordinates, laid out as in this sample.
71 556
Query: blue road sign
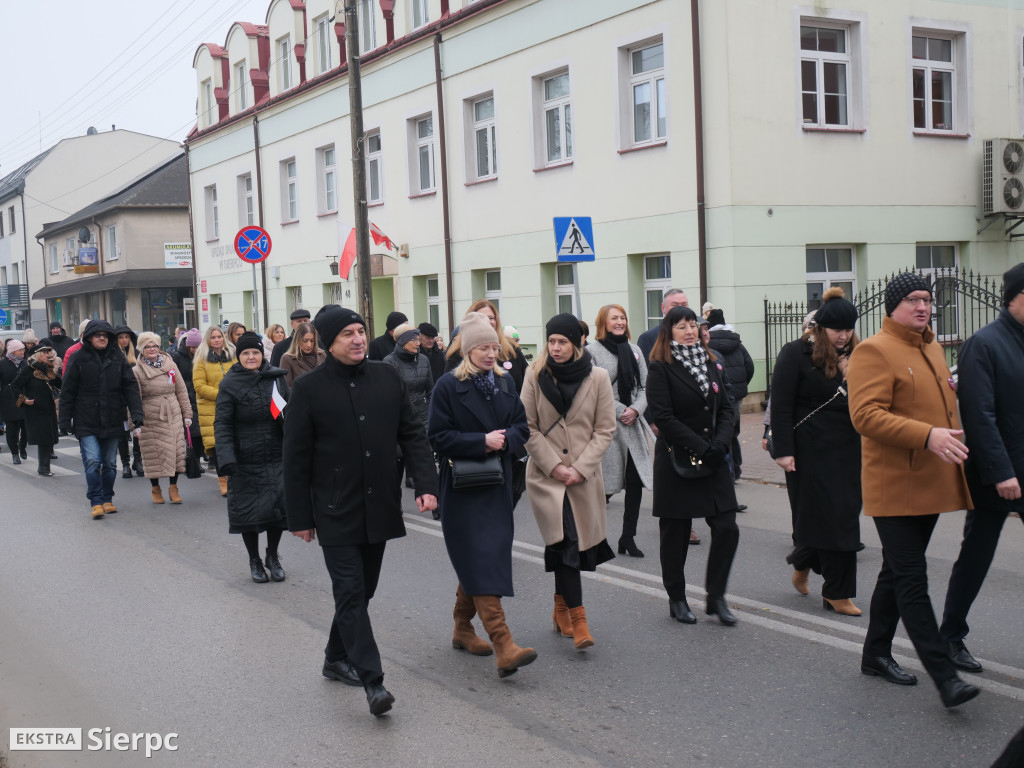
3 317
574 238
252 244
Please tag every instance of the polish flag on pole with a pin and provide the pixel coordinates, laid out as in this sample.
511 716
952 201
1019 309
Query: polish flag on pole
347 248
379 238
277 403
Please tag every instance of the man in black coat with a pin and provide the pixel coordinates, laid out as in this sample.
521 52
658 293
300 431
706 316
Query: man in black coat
991 367
432 349
384 344
739 370
297 317
99 388
58 339
343 423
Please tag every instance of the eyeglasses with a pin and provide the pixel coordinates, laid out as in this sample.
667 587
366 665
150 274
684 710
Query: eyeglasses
923 301
152 346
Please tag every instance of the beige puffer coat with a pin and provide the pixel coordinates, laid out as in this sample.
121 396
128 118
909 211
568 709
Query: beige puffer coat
164 405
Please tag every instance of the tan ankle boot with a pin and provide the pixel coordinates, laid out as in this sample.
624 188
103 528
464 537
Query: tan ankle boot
800 581
509 656
844 606
464 637
560 617
223 483
173 495
158 497
580 631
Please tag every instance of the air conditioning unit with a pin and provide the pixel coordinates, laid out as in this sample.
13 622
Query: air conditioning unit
1002 186
69 258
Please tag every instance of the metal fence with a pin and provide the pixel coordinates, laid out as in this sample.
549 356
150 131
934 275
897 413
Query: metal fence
963 303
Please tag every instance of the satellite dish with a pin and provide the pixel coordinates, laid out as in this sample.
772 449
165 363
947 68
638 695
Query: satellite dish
84 234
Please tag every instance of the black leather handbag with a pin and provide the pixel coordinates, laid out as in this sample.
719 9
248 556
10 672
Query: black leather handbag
688 466
476 473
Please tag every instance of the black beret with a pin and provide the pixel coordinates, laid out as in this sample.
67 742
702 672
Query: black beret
300 314
428 330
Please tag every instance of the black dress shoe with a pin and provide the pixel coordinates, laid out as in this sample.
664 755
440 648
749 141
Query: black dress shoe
138 469
379 699
127 473
16 458
259 573
680 611
45 472
24 454
436 514
962 658
274 566
717 606
342 671
955 692
886 667
741 508
628 546
53 456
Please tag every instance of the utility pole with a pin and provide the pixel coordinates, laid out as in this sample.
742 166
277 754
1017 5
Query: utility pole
362 219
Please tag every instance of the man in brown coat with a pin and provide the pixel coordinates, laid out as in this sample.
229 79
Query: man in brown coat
903 403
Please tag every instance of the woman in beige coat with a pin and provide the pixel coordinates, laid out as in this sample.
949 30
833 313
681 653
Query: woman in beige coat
166 412
571 413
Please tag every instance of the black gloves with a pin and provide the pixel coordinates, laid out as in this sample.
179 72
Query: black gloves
715 454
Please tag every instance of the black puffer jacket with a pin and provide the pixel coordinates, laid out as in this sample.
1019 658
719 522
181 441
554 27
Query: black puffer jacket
98 388
419 380
739 368
250 438
9 411
183 360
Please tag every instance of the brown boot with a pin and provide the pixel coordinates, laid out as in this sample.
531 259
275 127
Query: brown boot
158 497
173 495
223 483
509 656
800 581
844 606
465 638
560 617
580 631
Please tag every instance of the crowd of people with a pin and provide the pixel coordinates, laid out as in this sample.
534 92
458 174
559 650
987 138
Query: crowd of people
475 425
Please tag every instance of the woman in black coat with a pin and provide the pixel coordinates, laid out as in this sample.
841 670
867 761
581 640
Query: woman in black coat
688 403
475 414
821 456
39 384
249 452
127 342
13 416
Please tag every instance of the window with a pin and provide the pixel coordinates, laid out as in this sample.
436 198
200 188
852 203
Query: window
14 274
938 262
69 252
241 79
829 266
289 191
246 209
434 301
484 138
334 293
934 81
3 276
284 62
657 277
111 233
1 224
565 289
212 217
825 76
294 298
10 219
54 259
492 287
207 103
647 91
367 27
557 110
327 180
323 44
423 141
374 178
419 13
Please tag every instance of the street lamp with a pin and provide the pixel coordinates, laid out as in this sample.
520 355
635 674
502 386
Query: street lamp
334 265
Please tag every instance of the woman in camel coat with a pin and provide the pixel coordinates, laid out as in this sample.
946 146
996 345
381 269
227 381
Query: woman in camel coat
571 414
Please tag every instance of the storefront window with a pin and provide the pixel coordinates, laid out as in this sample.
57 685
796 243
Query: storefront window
162 310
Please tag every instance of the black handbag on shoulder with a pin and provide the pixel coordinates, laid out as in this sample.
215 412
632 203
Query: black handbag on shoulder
476 473
688 466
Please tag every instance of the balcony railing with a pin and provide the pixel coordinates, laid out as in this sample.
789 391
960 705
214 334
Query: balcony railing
14 295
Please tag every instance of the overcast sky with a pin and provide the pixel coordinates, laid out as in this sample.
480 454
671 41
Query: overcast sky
70 64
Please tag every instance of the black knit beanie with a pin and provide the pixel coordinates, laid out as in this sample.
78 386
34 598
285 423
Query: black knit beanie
330 323
901 286
395 319
248 340
1013 283
836 313
566 325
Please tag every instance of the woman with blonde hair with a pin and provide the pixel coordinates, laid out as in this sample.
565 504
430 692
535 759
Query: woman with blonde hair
303 355
212 360
510 356
273 334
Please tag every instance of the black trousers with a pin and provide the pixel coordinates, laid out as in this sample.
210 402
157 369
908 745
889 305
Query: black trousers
839 569
45 451
354 571
734 451
17 437
634 488
901 592
981 535
122 449
675 544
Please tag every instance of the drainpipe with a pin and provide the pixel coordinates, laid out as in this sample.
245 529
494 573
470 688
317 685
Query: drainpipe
192 237
259 209
445 213
28 288
698 118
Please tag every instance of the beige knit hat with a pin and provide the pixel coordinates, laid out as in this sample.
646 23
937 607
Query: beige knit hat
147 337
475 329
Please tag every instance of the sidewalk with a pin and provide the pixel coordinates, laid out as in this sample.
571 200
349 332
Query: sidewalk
758 466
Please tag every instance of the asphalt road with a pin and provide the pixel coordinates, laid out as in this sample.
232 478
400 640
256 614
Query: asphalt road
148 622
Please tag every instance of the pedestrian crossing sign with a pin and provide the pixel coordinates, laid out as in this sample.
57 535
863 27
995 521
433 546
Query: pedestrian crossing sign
574 238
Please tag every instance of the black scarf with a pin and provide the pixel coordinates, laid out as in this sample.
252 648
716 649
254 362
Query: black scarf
559 382
628 377
485 383
213 356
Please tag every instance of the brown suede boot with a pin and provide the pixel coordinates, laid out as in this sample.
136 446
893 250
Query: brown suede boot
580 631
223 483
560 617
509 656
844 606
465 637
800 581
158 497
173 495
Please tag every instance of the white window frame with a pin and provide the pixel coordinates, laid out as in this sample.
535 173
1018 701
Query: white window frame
493 295
212 215
208 104
69 252
374 166
943 304
485 129
656 79
289 190
241 89
656 286
420 148
560 105
367 26
928 69
565 289
294 298
246 201
327 180
959 68
421 9
323 43
847 279
433 288
284 62
54 259
110 236
819 60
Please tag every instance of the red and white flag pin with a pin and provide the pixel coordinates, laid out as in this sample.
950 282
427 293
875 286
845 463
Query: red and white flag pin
277 402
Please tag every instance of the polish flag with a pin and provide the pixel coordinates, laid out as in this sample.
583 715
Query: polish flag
347 248
379 238
277 403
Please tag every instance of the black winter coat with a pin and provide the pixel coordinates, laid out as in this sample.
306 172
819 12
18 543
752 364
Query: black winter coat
437 361
9 411
41 416
381 347
825 490
250 438
684 420
415 370
739 368
991 372
280 348
99 387
61 344
344 423
182 359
